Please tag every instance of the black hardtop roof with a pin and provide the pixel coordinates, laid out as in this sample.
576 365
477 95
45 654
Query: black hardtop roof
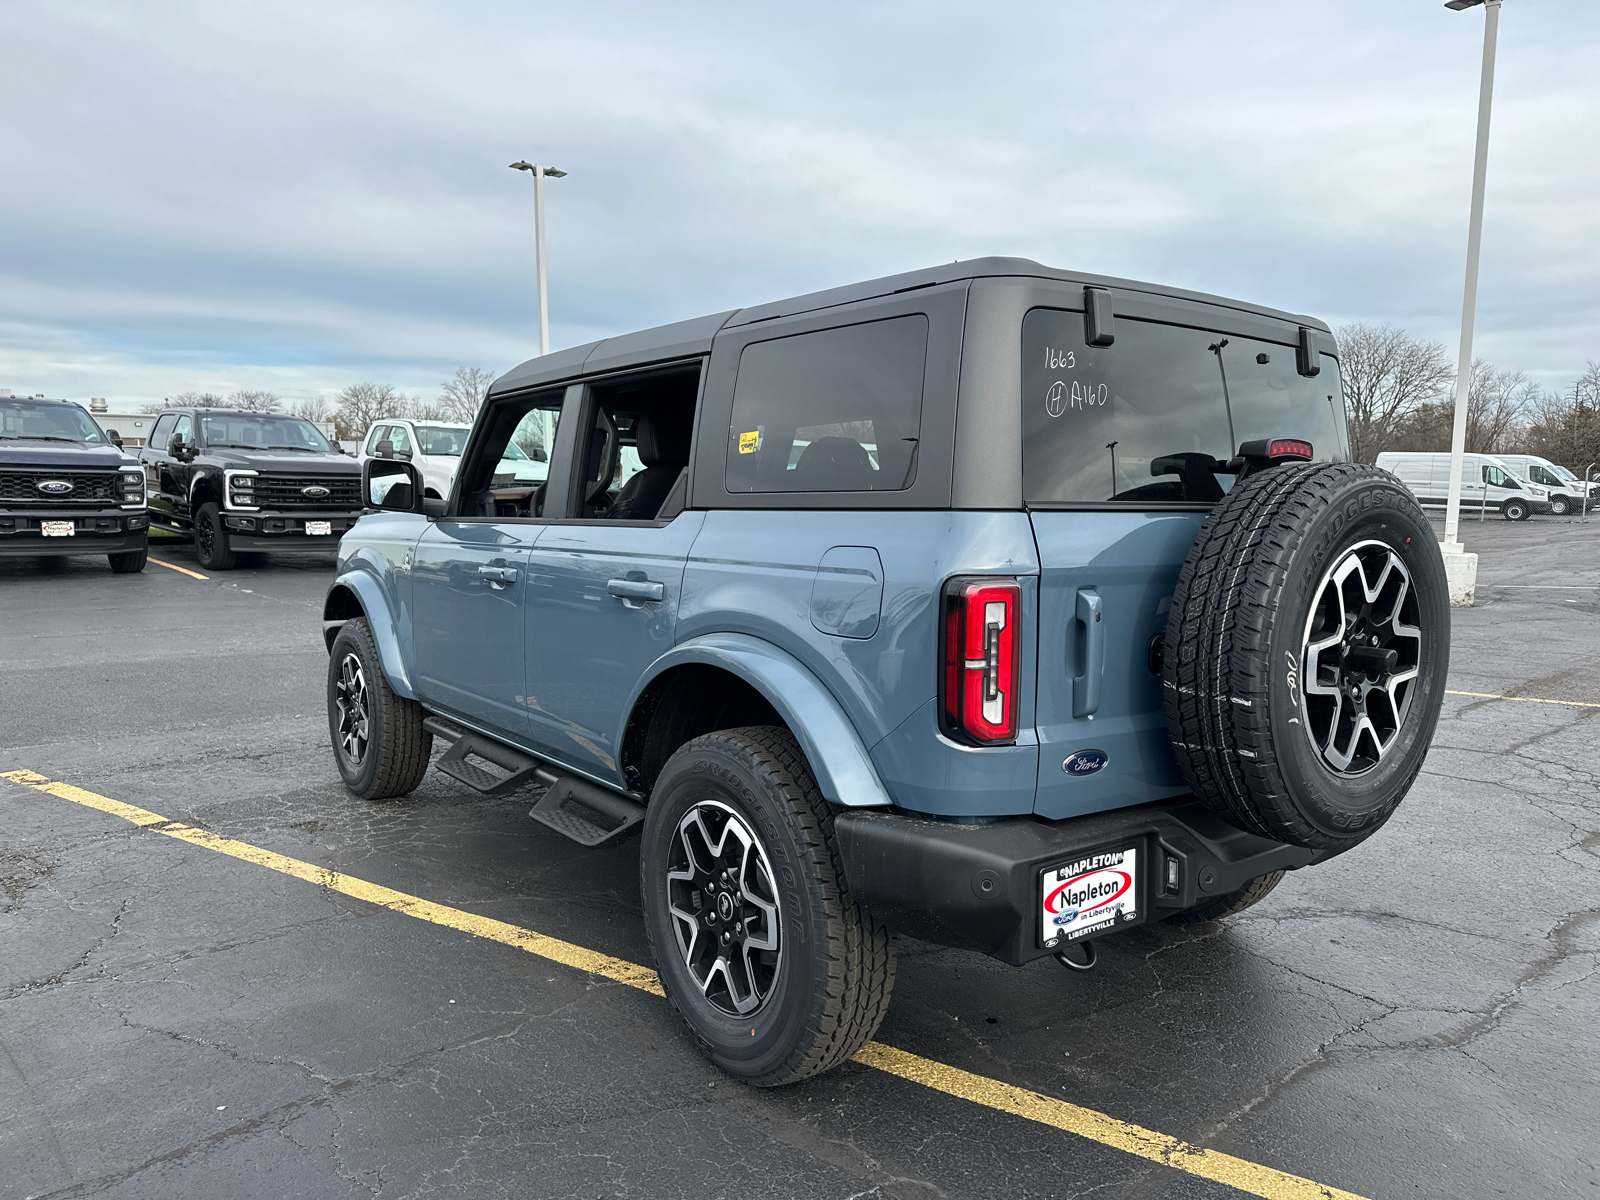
683 339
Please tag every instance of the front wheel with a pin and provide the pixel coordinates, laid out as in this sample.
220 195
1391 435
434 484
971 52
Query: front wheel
777 971
1560 506
1514 510
211 540
378 739
129 562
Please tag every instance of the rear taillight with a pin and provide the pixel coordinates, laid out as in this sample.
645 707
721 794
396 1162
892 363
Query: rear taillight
981 655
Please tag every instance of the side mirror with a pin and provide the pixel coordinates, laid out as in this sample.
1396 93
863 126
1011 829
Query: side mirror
114 438
384 449
391 485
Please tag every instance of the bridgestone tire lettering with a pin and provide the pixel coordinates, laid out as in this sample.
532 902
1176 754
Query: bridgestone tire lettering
1233 680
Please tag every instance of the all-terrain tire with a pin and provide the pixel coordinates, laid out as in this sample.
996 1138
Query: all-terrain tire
1218 907
1259 716
378 740
835 964
129 562
1515 510
211 540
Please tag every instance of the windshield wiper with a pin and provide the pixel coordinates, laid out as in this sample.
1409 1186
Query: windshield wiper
307 449
44 437
236 445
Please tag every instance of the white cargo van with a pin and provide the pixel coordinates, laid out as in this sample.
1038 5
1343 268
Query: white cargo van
1487 483
1566 489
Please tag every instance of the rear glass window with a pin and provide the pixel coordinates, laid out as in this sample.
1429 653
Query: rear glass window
1143 420
839 410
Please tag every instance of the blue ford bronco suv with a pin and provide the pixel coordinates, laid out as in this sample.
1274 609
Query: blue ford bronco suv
1002 606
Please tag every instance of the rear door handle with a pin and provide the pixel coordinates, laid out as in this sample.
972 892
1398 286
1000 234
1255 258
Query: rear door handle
637 589
499 575
1086 686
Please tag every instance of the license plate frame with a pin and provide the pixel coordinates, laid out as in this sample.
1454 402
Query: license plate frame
1091 895
58 528
319 528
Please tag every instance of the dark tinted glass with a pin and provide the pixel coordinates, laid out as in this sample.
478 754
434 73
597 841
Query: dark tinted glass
253 431
839 410
23 420
161 435
1141 421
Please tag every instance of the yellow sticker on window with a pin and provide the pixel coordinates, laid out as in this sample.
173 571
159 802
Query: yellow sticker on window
749 443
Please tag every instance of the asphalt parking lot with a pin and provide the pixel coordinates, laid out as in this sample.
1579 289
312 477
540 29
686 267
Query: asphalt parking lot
1419 1018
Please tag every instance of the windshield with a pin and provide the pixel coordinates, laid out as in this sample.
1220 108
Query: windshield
47 421
448 440
262 431
1146 419
1564 473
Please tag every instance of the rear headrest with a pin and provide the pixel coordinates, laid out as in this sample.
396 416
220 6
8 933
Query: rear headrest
834 464
661 443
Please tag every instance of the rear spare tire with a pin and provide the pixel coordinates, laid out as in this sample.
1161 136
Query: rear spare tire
1309 640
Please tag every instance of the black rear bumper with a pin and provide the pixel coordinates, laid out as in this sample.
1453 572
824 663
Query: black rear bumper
976 887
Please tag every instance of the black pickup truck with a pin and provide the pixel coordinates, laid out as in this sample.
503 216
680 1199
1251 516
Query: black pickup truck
248 481
66 487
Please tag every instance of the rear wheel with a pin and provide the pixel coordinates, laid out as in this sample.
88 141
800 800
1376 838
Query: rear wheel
760 947
211 540
129 561
378 740
1215 909
1310 638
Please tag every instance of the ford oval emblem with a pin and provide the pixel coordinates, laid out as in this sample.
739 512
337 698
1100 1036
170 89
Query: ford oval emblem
54 487
313 491
1085 762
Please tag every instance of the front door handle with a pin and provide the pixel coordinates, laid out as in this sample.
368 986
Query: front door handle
1092 660
498 575
637 589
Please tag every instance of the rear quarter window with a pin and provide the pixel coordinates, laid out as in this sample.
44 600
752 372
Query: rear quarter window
1140 421
837 410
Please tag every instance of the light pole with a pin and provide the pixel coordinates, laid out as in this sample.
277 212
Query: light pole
540 174
1461 567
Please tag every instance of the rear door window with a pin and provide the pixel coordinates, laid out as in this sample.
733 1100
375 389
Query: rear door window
1144 420
837 410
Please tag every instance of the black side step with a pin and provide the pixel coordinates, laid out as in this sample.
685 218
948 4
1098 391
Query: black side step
585 812
521 769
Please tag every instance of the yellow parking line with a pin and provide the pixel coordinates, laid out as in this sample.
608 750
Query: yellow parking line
1239 1173
1523 699
177 568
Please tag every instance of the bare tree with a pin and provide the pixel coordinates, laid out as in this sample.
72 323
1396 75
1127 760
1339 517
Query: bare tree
189 400
1565 426
1498 402
361 404
255 400
1388 375
462 397
314 409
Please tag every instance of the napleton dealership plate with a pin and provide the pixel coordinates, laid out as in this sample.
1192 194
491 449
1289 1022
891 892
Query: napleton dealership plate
324 528
57 528
1089 895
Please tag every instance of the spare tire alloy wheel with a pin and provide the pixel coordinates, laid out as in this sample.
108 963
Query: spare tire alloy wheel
1363 652
1311 636
1515 510
724 908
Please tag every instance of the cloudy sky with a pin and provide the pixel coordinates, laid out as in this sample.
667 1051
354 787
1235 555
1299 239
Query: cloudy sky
298 196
